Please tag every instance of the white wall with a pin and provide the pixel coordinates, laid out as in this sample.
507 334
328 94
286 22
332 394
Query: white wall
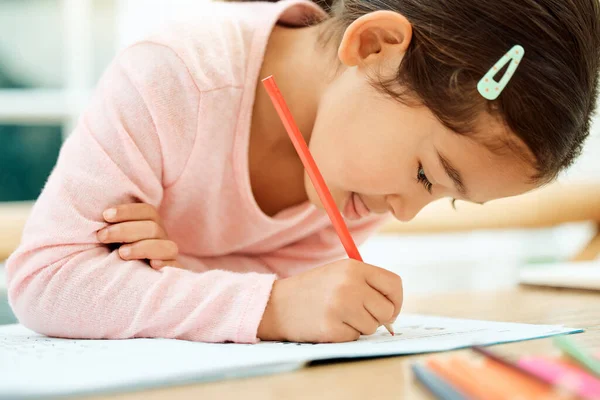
587 167
31 39
138 17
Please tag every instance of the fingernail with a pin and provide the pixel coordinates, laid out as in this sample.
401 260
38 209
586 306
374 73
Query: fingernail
125 251
110 213
103 235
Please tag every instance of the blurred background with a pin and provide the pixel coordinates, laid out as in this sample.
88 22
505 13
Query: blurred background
52 52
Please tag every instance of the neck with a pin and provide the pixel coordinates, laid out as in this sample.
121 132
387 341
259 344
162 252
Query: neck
300 67
297 62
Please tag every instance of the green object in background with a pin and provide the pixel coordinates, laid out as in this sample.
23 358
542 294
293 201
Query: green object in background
541 261
27 156
578 354
6 314
27 153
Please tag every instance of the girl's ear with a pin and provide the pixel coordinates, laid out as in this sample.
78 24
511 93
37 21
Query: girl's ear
373 37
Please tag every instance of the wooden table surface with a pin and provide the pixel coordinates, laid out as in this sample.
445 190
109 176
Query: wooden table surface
390 378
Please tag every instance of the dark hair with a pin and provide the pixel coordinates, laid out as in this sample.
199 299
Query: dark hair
549 101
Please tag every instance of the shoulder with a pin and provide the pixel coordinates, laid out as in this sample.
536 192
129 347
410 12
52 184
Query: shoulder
217 41
213 41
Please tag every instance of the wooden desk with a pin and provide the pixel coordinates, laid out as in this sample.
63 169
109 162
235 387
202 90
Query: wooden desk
390 378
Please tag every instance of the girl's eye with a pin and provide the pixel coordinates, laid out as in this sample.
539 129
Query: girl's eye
422 178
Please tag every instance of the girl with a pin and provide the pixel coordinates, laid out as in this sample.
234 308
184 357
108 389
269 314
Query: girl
402 103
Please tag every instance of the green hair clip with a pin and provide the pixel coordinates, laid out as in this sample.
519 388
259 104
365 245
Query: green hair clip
488 87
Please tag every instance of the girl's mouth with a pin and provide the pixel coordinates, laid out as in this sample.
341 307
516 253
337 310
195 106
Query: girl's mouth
355 208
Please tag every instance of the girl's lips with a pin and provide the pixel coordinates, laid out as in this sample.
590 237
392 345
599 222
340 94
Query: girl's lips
355 208
349 209
360 207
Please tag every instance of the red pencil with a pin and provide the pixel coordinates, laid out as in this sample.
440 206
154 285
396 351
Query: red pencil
313 172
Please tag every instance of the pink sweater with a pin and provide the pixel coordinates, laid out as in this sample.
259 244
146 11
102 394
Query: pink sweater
169 126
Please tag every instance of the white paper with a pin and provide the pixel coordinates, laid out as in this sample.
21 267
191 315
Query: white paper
34 365
580 275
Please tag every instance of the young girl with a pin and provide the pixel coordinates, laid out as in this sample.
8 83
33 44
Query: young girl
402 103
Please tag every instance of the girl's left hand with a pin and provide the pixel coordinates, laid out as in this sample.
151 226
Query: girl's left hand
139 227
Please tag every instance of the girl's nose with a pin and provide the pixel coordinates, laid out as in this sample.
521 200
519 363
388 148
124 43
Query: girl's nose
405 208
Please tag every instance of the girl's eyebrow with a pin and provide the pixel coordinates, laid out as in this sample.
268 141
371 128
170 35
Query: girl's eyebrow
453 174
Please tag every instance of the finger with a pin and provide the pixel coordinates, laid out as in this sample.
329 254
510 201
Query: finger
388 284
342 333
379 306
129 232
159 264
362 321
149 249
131 212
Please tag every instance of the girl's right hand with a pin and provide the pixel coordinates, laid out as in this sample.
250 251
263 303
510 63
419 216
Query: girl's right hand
139 230
334 303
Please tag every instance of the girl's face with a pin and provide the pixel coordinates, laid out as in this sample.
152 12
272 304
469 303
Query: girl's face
378 155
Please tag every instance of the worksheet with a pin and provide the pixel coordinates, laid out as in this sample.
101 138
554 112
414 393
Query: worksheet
33 365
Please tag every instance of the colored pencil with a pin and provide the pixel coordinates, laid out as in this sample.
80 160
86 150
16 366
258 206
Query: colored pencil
313 172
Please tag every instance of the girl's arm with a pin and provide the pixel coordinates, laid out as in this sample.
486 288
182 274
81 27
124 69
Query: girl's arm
133 141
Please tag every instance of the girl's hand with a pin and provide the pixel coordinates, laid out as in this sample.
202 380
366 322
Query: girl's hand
139 227
336 302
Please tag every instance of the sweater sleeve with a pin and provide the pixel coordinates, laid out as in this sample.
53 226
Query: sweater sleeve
132 142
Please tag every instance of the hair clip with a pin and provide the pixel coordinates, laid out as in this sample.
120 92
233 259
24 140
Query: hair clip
488 87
